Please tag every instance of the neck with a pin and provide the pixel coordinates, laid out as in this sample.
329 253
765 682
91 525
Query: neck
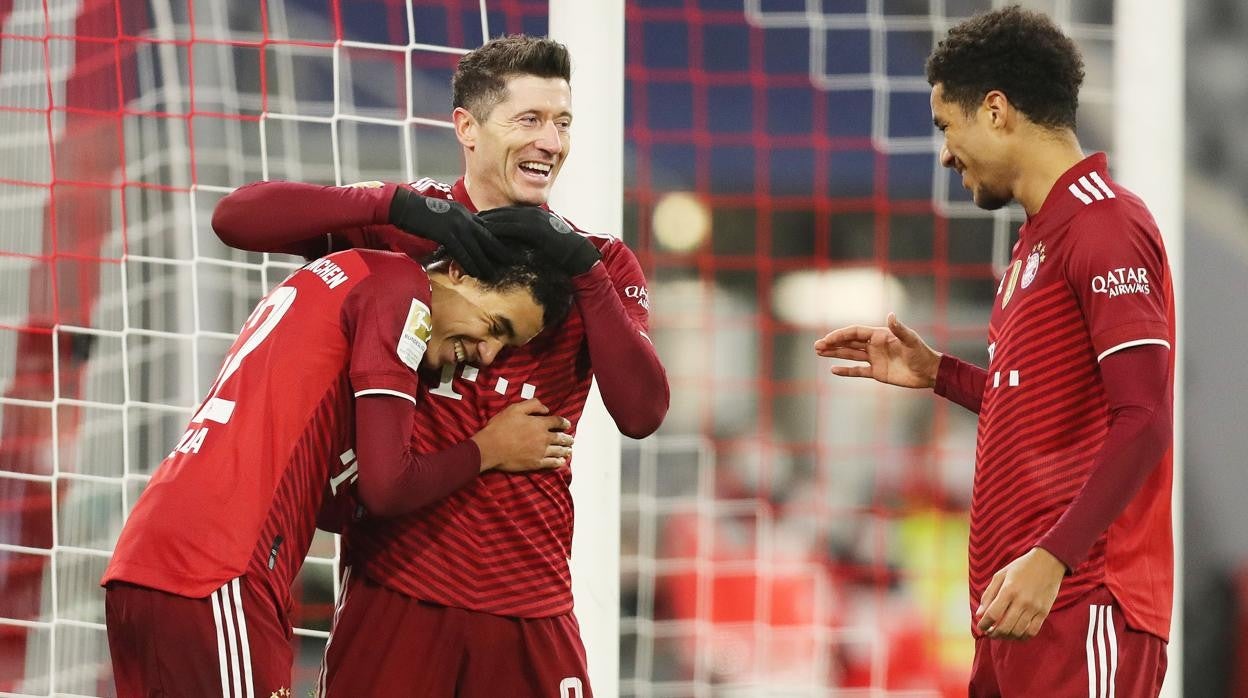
483 197
1048 155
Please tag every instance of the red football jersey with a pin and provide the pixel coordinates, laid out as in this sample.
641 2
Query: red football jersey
501 544
1089 277
241 490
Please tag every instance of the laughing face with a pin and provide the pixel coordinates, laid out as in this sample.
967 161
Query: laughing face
473 323
975 147
514 152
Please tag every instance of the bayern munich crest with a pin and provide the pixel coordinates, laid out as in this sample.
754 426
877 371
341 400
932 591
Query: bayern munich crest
1033 264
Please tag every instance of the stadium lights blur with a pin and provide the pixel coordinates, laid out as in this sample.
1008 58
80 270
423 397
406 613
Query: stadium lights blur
681 221
837 297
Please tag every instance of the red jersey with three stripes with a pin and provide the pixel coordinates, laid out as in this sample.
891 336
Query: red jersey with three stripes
240 492
501 544
1089 277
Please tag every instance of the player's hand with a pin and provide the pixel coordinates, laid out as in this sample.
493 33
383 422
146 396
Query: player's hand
1020 595
524 437
894 354
545 232
451 225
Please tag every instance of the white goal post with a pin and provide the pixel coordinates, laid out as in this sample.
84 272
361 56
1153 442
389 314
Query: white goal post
1148 145
590 191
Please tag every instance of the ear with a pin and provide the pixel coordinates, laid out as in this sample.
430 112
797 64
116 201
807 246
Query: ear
998 108
456 273
465 127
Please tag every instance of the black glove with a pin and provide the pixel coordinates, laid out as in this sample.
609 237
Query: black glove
547 233
451 225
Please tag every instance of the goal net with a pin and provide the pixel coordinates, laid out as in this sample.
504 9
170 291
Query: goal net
785 533
121 126
790 533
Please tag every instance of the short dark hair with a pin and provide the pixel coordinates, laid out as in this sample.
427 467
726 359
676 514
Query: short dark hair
480 80
530 270
1021 53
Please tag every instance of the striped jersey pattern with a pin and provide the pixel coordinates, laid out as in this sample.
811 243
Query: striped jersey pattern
240 493
1088 277
1041 423
501 544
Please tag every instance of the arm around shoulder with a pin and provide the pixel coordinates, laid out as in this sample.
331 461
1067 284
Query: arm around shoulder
295 217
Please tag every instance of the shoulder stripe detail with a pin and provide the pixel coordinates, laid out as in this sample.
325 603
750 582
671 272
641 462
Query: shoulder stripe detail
1096 193
383 391
1132 343
1099 191
586 233
1096 177
424 184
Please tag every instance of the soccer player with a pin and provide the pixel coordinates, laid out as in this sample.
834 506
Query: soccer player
1071 560
319 391
472 596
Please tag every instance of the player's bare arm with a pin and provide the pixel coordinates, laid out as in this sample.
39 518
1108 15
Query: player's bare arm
523 437
1019 598
893 354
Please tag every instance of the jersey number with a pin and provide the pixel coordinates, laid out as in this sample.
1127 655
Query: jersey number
259 324
571 687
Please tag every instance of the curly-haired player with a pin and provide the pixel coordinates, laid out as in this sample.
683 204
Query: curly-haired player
318 393
1071 557
472 596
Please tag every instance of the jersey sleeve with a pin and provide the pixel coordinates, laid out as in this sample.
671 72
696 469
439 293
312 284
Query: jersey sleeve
629 282
1118 271
311 220
614 306
387 323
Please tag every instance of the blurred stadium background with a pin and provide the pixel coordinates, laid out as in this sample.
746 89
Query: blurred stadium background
784 533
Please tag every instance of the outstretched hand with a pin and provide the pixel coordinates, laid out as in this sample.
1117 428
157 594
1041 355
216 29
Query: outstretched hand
894 354
451 225
524 437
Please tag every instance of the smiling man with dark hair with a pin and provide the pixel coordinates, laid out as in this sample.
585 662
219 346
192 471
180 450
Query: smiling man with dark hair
1071 556
472 596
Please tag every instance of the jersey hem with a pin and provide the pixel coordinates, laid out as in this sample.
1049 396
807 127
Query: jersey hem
139 575
1113 338
386 391
1132 343
407 384
565 607
1134 620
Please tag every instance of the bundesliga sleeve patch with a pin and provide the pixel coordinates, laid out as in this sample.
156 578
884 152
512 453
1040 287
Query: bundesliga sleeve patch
415 336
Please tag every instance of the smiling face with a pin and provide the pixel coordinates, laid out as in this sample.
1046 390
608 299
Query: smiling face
976 146
514 152
472 323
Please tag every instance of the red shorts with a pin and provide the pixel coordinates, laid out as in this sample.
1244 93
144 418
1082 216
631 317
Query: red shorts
232 644
387 644
1083 650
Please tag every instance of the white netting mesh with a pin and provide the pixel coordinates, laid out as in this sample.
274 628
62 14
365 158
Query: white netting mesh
122 124
789 533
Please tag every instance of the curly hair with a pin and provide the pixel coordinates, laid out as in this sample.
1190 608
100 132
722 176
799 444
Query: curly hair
480 79
528 269
1021 53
